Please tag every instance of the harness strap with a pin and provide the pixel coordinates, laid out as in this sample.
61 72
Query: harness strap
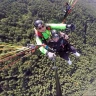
40 35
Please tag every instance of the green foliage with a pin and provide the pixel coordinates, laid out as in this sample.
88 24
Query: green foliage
33 74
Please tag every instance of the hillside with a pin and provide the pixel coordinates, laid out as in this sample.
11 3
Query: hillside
32 75
90 5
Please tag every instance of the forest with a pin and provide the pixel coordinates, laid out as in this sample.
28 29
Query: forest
32 74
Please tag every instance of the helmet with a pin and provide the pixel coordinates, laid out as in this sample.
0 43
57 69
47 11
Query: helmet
38 23
55 36
54 32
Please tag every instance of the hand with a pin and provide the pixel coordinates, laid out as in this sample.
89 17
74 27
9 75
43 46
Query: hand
31 46
71 26
64 35
51 55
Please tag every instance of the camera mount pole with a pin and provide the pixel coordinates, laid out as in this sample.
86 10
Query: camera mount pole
58 87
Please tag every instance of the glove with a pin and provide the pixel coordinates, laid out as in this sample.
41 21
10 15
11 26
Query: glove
71 26
51 55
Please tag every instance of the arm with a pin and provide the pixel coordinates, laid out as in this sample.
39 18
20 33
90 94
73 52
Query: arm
61 26
58 26
62 34
39 42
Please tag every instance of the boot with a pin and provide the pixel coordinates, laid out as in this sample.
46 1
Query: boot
77 54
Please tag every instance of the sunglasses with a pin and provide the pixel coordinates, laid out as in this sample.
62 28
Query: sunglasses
41 27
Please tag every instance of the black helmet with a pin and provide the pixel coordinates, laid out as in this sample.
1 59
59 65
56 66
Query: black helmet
55 36
54 33
38 23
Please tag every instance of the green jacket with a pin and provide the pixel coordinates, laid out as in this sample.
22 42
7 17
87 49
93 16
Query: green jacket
47 34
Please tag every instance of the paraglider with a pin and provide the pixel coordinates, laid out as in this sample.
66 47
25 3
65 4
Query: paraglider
68 8
45 36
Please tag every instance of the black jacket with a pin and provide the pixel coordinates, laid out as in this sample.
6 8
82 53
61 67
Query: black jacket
60 46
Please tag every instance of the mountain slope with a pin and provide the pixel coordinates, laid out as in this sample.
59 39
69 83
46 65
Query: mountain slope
90 5
33 75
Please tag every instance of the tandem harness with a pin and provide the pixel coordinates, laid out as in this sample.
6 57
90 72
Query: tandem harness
44 36
60 45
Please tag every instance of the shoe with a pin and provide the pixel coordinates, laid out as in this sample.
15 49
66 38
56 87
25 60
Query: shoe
69 62
77 54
